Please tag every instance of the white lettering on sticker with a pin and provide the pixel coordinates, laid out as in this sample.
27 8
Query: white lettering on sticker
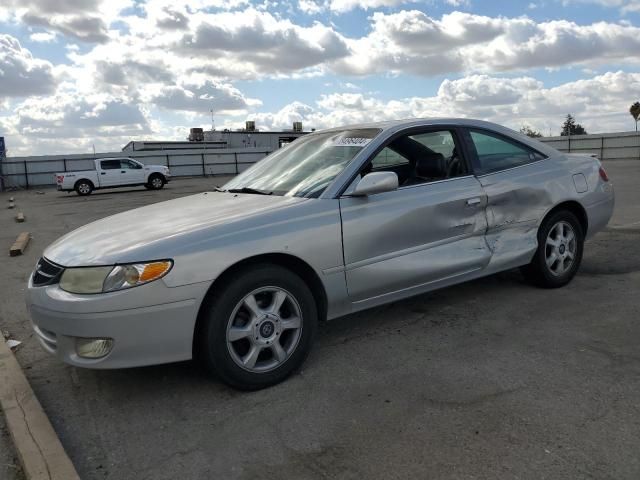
351 142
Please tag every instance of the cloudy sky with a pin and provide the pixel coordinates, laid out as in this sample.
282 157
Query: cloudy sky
78 73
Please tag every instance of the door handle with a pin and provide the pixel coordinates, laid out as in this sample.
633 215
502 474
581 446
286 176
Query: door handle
123 171
473 201
103 173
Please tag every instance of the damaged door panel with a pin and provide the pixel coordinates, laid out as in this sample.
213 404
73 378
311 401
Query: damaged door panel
413 236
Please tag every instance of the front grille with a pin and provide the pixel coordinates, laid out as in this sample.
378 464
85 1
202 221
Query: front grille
46 273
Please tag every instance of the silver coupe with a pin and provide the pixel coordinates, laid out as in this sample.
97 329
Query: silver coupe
338 221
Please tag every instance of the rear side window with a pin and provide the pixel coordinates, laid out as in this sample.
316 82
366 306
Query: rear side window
496 153
110 164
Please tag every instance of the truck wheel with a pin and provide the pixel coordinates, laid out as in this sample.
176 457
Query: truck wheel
83 187
258 328
559 253
156 181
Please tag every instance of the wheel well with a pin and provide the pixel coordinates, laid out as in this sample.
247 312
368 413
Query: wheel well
291 262
575 208
157 174
75 185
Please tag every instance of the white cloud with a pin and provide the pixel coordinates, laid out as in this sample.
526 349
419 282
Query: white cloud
413 42
65 123
200 95
346 5
85 20
43 37
600 103
174 60
21 74
261 40
311 7
625 6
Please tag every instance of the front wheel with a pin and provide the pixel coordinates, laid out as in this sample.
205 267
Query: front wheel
559 253
258 328
156 182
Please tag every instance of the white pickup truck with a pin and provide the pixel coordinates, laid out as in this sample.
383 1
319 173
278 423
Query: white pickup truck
111 173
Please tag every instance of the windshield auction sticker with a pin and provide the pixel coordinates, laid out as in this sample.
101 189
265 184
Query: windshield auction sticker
350 141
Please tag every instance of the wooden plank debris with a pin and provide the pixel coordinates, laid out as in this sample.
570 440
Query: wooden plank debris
20 244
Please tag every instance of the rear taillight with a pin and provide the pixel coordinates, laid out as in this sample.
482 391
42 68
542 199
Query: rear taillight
59 178
603 175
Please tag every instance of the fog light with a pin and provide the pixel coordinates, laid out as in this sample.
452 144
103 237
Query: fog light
93 347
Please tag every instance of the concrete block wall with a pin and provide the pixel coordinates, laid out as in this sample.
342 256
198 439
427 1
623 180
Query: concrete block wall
606 146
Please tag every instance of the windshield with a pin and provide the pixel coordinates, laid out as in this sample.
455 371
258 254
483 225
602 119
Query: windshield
305 167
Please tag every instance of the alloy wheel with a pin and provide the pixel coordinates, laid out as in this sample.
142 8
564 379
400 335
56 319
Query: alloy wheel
560 248
264 329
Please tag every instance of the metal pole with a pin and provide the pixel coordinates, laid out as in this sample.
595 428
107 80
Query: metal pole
235 154
26 175
204 174
602 148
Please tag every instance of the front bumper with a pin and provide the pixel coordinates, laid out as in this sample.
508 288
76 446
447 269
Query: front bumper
150 324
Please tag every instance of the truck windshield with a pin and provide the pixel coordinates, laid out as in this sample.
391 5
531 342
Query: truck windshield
305 167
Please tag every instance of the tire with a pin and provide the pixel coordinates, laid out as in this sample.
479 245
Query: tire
156 182
240 347
559 253
83 187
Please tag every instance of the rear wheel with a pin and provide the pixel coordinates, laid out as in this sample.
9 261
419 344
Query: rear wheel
258 328
84 187
559 253
156 182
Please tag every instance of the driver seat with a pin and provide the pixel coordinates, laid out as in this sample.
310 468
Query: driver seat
428 169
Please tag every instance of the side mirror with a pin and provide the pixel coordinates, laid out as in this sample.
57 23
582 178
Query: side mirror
376 182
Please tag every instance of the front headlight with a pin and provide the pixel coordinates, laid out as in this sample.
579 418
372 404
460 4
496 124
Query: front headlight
109 279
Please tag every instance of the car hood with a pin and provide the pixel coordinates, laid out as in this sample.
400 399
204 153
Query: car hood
129 236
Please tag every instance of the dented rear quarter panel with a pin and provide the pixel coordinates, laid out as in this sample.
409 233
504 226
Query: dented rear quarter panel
520 198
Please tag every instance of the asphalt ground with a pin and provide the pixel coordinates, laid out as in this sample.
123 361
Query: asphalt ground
484 380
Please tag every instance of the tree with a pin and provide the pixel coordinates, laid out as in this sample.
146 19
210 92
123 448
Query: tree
530 132
634 110
570 127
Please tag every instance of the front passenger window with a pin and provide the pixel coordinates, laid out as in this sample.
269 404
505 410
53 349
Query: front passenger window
129 164
418 158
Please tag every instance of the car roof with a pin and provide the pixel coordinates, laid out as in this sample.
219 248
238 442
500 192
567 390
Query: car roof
391 126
